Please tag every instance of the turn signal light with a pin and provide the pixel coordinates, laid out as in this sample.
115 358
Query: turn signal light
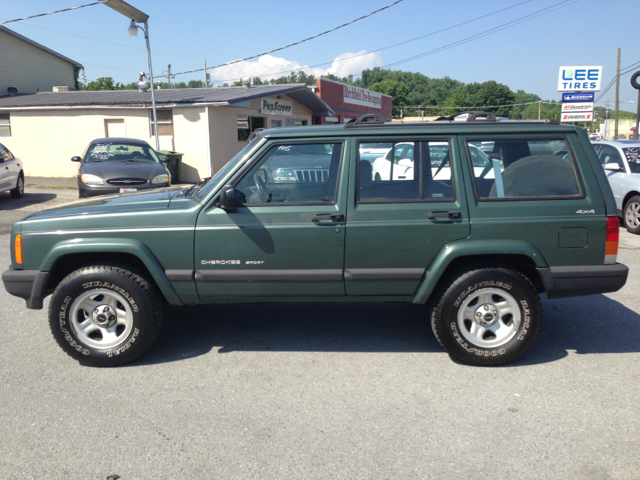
18 249
613 237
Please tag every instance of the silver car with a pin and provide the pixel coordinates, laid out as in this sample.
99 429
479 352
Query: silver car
11 173
621 161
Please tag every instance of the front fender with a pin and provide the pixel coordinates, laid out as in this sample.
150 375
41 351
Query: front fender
114 245
468 248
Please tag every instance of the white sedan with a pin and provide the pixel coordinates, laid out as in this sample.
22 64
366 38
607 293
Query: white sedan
11 173
397 164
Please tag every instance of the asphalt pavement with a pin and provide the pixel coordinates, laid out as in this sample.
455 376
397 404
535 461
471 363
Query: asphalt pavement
318 391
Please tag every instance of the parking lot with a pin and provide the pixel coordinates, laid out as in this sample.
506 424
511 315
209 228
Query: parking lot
322 391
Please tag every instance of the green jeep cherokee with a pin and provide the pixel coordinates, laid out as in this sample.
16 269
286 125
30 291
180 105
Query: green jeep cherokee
475 219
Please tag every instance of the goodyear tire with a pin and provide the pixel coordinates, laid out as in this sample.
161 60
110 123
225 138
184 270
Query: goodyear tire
487 316
104 315
631 215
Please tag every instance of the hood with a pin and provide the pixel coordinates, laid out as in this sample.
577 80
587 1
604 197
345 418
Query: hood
111 169
109 204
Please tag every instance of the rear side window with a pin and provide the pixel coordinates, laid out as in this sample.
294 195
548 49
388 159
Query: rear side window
404 171
524 169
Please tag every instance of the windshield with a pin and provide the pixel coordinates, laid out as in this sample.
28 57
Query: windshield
206 188
633 157
120 152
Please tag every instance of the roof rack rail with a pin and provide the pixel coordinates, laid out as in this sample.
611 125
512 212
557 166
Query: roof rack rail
472 116
363 120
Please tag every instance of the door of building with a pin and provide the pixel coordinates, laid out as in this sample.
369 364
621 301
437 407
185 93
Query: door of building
114 128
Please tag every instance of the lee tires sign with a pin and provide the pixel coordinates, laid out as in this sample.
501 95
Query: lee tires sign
576 79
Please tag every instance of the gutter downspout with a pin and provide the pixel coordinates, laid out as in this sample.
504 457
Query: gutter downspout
209 144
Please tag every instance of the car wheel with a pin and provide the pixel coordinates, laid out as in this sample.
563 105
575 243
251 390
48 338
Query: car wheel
18 192
378 178
104 316
631 215
487 316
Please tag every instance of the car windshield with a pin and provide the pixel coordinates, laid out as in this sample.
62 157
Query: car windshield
120 152
633 157
206 188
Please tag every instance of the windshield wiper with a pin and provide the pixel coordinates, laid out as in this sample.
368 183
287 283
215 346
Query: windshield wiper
195 186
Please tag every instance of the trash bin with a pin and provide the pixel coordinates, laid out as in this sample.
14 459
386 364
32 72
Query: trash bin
173 165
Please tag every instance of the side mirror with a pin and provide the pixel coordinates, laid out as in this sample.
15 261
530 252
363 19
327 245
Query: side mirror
228 198
76 159
613 167
406 162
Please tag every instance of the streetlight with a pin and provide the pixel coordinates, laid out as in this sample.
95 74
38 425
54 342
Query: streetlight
137 16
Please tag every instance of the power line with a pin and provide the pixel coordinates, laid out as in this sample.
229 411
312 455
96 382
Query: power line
296 43
627 69
53 13
107 41
504 26
512 23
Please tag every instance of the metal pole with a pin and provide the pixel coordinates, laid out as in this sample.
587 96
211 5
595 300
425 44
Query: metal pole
169 75
206 85
615 136
539 108
638 117
153 94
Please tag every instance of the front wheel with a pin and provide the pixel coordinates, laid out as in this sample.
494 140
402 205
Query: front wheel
18 191
487 316
631 215
104 315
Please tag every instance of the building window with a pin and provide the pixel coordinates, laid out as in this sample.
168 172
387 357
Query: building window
276 123
165 123
296 122
247 124
5 125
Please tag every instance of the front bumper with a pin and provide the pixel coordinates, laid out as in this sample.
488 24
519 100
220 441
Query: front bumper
28 284
560 282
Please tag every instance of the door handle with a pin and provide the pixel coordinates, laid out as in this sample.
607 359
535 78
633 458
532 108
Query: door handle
328 217
447 215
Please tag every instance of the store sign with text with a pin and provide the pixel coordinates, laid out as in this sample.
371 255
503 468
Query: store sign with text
276 106
361 96
577 107
577 117
578 79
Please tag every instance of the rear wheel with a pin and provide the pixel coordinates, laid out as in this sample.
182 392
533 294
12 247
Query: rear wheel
487 316
631 215
105 316
18 191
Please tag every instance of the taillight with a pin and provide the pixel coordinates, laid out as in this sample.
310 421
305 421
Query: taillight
18 249
613 237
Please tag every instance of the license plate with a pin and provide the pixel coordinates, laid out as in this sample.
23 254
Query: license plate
125 190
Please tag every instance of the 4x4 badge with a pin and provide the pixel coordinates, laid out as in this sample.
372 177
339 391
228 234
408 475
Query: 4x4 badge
586 212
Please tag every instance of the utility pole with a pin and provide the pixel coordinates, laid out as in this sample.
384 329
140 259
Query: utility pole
206 84
606 120
539 108
617 97
169 75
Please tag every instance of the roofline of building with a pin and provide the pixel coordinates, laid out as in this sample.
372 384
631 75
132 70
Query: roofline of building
316 104
347 85
41 47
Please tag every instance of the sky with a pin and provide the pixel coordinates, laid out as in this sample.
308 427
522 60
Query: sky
519 43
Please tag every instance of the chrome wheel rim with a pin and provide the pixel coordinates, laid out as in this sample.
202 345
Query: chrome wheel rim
489 318
101 318
632 215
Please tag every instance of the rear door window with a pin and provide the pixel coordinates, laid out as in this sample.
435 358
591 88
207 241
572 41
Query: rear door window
410 171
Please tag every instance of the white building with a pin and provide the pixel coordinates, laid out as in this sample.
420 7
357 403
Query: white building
207 125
